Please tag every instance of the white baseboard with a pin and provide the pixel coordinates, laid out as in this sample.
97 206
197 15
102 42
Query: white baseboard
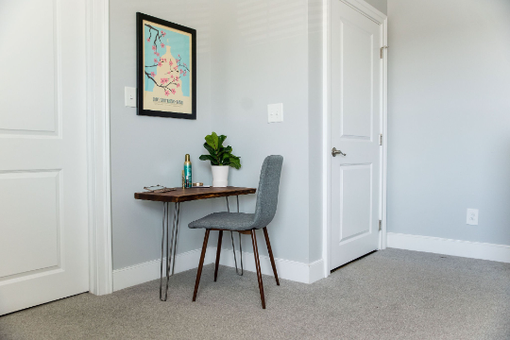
148 271
288 270
475 250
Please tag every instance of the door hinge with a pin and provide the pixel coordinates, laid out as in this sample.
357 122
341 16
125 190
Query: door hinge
380 225
380 139
382 51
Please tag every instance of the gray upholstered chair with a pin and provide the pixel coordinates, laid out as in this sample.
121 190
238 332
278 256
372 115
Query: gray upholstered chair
265 209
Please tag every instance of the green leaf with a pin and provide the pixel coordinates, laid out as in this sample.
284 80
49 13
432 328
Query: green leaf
221 139
223 151
235 162
210 149
209 158
212 140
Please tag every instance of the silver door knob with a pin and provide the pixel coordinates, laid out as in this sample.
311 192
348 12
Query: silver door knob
335 152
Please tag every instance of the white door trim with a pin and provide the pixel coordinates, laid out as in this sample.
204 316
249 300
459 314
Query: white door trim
384 165
98 148
381 19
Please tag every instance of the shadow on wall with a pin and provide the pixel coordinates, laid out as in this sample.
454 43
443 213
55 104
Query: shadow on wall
262 21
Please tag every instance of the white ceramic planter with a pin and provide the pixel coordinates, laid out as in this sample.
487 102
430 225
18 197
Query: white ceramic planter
220 175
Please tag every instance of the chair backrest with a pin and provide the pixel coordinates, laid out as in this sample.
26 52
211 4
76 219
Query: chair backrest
267 194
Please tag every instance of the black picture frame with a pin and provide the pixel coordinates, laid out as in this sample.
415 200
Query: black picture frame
166 68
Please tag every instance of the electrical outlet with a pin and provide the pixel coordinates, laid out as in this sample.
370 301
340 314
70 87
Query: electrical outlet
275 113
472 217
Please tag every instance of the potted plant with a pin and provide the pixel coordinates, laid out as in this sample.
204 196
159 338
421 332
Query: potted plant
221 158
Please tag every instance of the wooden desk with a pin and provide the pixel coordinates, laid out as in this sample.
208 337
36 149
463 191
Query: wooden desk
178 195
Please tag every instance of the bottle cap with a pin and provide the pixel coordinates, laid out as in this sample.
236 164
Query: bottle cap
186 158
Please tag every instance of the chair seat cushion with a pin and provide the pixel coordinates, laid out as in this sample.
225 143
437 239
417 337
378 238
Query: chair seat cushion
225 221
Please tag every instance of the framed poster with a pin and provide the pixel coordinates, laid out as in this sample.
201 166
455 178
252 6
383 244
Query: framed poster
166 70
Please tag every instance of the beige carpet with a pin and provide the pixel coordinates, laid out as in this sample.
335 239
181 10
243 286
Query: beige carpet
391 294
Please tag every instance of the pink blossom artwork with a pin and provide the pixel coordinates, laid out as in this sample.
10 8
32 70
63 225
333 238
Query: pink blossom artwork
167 84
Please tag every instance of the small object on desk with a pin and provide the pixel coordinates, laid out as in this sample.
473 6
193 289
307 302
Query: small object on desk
183 182
187 171
158 189
198 184
152 188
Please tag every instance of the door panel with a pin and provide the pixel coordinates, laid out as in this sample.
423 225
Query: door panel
356 106
355 127
356 201
41 210
43 179
28 53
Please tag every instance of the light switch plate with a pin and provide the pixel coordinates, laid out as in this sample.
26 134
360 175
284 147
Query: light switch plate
472 217
275 113
130 96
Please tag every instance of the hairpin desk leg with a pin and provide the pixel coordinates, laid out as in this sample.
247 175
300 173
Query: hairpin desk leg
177 214
168 243
241 271
164 237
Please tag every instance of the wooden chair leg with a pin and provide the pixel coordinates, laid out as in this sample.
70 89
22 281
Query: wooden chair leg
270 251
257 265
201 263
218 251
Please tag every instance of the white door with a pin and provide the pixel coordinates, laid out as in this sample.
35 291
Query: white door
43 188
355 128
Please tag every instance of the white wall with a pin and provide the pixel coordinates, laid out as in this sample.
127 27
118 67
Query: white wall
449 118
250 54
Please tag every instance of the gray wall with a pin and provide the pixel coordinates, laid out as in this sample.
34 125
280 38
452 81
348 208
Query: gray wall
150 150
381 5
315 91
250 54
260 57
449 118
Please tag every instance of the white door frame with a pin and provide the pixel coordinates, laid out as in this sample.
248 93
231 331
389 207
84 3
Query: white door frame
98 148
381 19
